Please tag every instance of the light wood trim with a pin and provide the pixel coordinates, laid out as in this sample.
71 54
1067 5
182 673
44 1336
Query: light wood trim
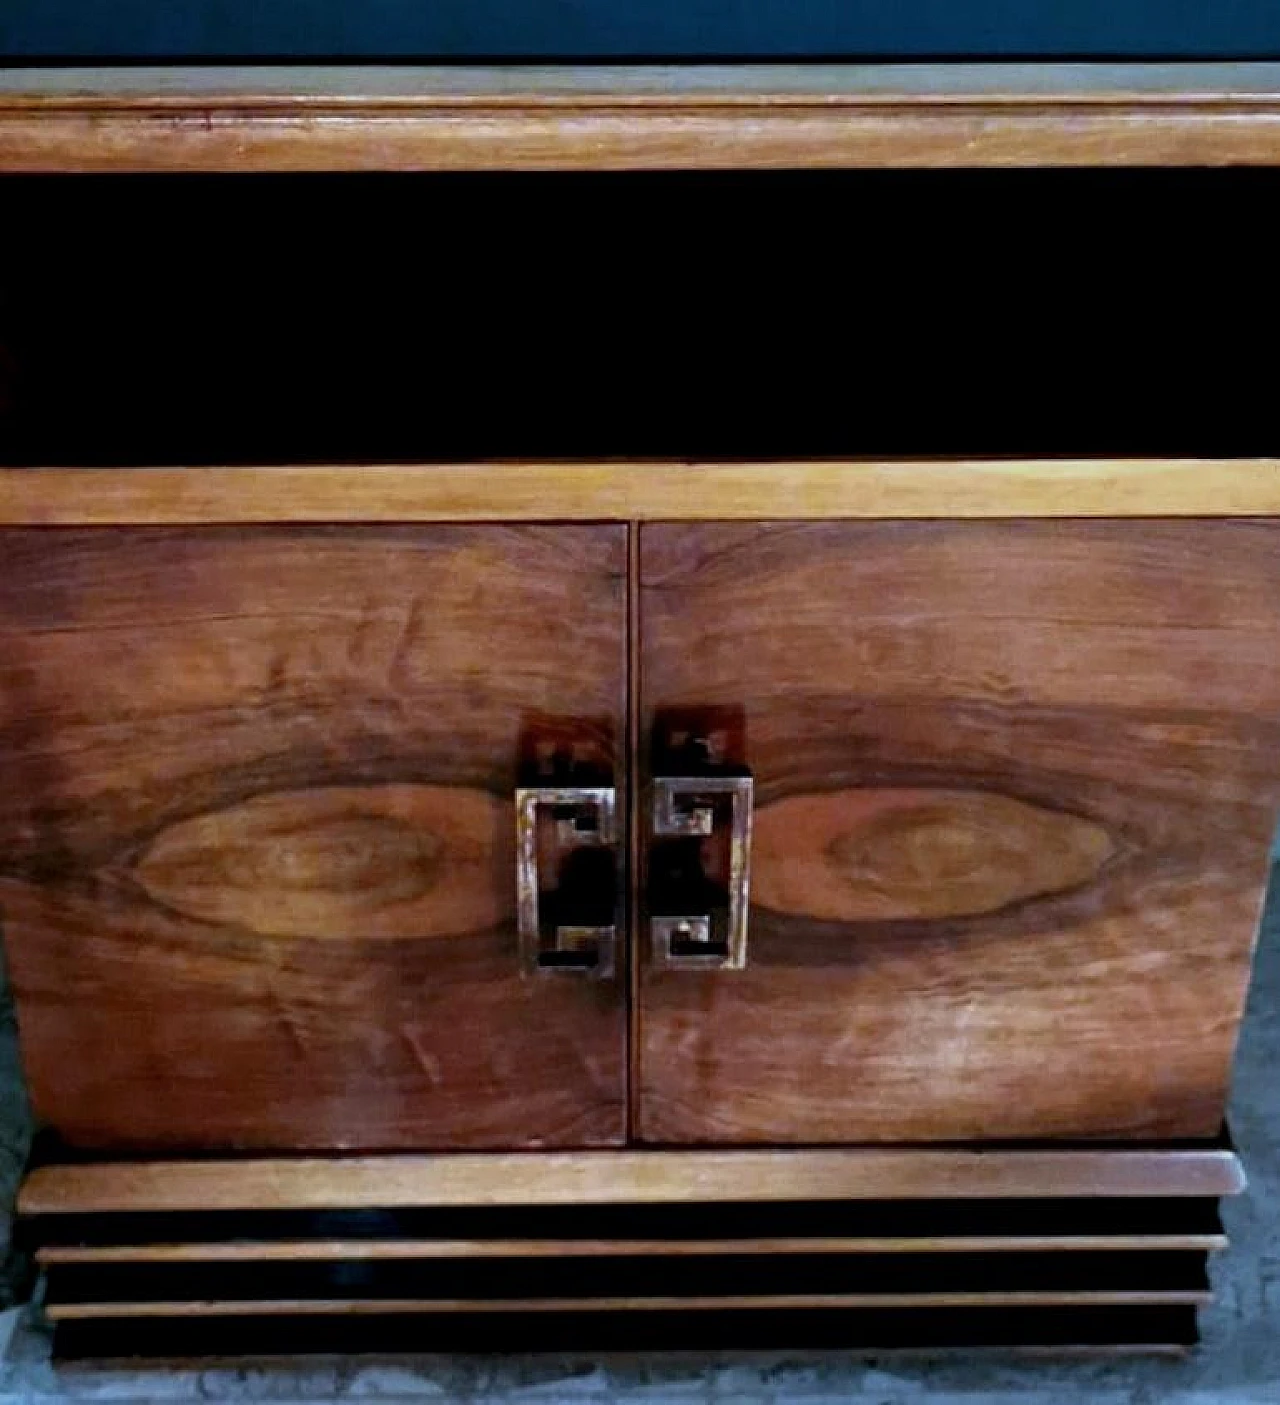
624 1177
595 117
638 491
332 1307
337 1250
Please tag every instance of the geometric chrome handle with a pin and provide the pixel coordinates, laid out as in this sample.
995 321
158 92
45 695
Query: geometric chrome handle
700 877
566 879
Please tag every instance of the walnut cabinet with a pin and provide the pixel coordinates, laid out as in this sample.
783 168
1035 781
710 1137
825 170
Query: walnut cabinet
319 838
551 795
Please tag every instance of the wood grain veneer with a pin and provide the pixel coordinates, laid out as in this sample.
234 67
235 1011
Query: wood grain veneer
257 846
1015 787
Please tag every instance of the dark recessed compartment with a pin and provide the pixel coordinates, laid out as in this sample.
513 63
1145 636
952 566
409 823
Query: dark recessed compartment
198 320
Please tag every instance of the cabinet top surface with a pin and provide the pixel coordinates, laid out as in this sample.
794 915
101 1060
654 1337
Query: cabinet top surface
670 85
584 117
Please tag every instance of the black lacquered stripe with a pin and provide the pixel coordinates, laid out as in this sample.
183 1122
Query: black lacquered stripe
866 1330
684 1276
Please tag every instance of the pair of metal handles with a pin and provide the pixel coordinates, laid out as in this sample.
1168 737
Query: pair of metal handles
698 881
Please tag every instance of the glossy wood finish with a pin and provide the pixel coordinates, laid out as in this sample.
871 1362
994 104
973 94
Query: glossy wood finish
349 1250
1016 784
594 117
256 834
626 1229
626 1177
642 491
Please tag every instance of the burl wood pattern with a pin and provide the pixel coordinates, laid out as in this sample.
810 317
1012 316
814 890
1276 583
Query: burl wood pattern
257 840
1015 787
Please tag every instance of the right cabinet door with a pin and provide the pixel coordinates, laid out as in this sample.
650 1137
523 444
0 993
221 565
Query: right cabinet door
1014 787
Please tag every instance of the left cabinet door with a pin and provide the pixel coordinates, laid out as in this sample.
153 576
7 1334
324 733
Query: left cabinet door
257 832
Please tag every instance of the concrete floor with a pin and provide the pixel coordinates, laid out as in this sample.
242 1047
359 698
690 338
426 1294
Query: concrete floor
1238 1362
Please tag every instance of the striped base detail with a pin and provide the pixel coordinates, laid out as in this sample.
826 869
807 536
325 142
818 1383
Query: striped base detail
1047 1273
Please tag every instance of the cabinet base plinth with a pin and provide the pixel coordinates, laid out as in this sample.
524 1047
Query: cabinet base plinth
1039 1269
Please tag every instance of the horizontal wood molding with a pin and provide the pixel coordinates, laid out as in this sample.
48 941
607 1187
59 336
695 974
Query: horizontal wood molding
338 1250
640 491
625 1177
597 117
328 1307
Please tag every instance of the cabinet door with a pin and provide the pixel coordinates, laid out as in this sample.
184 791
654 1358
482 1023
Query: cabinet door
1014 788
257 836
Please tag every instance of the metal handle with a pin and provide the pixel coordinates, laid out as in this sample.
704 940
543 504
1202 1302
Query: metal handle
698 919
569 832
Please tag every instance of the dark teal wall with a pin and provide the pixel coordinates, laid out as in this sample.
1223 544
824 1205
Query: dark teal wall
92 29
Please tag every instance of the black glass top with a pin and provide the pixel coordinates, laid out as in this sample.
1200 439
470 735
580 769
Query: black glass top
201 30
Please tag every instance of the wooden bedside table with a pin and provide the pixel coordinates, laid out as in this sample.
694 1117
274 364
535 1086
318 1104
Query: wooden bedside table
634 758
